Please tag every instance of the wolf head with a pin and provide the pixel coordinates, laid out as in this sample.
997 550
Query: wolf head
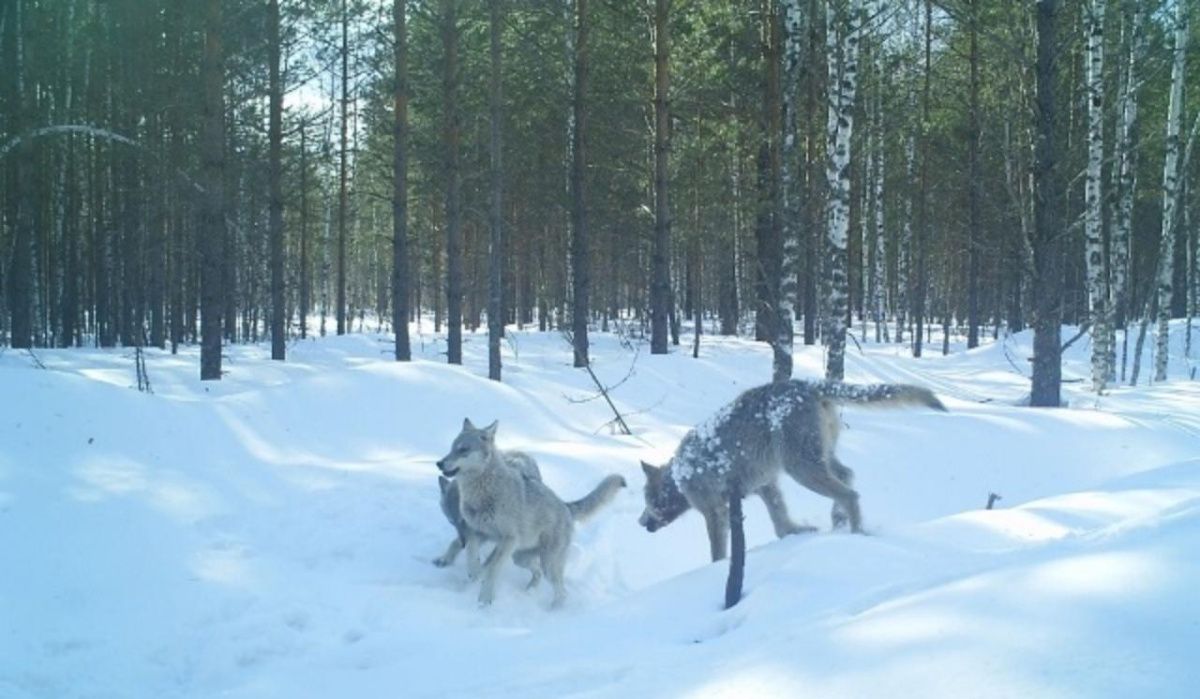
472 449
664 501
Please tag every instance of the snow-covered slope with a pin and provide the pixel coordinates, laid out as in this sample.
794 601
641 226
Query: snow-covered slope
271 535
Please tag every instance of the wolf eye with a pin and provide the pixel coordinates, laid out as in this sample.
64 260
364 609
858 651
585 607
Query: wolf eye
462 450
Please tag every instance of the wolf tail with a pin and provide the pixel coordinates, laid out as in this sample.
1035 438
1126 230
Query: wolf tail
880 394
600 496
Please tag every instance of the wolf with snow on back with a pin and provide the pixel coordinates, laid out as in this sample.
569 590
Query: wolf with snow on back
524 517
788 426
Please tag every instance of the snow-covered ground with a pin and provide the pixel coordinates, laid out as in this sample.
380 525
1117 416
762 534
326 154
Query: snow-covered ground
271 535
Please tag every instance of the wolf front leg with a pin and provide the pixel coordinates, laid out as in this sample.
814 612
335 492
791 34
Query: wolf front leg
491 569
452 551
472 556
716 519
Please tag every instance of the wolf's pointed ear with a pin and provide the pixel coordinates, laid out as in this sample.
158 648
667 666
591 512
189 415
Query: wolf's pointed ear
651 470
443 483
490 430
467 424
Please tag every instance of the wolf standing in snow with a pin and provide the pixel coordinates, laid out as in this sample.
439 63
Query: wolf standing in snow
787 426
524 517
519 460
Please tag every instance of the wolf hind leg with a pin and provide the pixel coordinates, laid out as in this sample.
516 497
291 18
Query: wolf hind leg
821 481
531 560
838 515
716 520
772 497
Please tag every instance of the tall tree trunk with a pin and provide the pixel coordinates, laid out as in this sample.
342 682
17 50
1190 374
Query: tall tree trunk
1170 200
768 253
793 25
580 253
305 264
660 282
343 175
974 186
879 261
921 240
212 219
1095 259
21 276
496 217
1125 174
400 281
274 177
813 196
1047 219
843 25
451 137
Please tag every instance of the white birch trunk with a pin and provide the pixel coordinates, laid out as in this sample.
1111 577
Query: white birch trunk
879 269
1093 218
793 31
1166 251
843 23
1119 242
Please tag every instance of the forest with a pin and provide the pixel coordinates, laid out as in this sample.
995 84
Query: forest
229 171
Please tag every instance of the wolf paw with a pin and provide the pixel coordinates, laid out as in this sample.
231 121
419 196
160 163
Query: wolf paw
486 597
534 581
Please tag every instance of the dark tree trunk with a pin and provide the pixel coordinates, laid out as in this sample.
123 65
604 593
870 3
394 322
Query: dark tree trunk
451 137
343 191
400 281
212 222
580 263
974 185
496 217
274 177
660 281
1047 220
305 280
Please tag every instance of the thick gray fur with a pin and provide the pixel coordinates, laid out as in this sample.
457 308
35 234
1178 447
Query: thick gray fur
789 426
519 460
525 518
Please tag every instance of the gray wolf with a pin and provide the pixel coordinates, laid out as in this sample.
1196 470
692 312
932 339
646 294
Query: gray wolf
524 517
519 460
788 426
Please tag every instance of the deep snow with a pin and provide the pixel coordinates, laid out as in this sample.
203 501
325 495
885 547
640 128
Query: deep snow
271 535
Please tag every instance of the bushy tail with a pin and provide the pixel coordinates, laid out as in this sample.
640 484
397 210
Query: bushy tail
600 496
881 394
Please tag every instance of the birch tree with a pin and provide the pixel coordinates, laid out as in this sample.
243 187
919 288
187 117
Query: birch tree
1095 259
784 340
1125 176
1170 193
843 25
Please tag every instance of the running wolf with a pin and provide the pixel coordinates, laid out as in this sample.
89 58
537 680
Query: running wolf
524 517
519 460
788 426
